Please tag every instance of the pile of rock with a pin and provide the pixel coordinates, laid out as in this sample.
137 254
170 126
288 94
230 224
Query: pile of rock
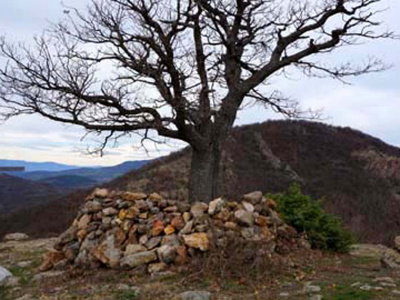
127 230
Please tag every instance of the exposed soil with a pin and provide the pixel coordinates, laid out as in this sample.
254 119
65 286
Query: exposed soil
340 277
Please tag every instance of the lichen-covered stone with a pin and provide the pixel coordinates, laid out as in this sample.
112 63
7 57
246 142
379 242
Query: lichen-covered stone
244 217
138 259
197 240
253 197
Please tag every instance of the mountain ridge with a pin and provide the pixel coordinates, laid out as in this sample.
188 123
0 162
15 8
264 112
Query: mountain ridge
352 171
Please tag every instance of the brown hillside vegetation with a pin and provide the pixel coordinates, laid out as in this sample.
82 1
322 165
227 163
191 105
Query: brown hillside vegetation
357 174
354 172
16 193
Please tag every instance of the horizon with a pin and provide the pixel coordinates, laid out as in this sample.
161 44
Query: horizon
369 105
149 159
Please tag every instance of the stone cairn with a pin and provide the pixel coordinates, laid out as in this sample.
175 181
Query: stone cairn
127 230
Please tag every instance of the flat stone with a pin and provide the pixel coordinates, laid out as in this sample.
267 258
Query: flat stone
284 294
388 284
155 197
244 217
197 210
248 206
138 259
230 225
368 250
254 197
154 242
129 196
169 230
93 206
24 264
84 221
48 275
195 295
18 236
312 288
26 297
110 211
384 279
157 267
100 193
198 240
187 228
365 287
134 248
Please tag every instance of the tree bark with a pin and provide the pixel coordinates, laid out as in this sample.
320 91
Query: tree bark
205 174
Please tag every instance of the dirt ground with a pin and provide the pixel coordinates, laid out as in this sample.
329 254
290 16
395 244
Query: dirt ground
312 275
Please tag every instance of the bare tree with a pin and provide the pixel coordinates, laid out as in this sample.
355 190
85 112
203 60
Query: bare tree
180 68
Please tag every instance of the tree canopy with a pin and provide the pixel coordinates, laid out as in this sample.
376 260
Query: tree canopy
180 68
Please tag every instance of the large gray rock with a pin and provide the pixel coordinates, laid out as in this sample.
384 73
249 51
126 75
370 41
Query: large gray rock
254 197
18 236
244 217
167 254
196 295
4 274
138 259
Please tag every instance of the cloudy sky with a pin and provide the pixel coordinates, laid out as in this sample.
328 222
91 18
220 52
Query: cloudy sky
371 103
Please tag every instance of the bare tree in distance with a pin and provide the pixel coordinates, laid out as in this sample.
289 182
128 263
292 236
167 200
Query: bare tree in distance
180 68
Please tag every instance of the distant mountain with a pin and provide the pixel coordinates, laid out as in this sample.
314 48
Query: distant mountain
98 174
358 176
17 193
36 166
69 182
28 189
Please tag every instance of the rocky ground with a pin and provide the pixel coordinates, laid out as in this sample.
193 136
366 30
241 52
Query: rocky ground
310 275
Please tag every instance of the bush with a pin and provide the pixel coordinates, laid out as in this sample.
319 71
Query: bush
324 230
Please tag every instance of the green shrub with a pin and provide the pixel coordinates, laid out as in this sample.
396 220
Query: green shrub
324 230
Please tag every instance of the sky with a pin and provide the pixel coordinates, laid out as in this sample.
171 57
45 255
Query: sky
370 104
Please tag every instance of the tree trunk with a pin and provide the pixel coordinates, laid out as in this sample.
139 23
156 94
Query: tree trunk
205 174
